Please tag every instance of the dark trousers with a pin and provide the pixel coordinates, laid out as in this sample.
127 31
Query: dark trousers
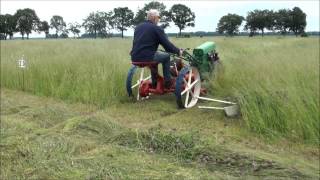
164 59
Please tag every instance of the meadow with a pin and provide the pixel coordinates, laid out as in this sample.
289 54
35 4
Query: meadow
67 115
274 79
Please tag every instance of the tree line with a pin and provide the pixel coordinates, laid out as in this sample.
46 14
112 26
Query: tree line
282 21
96 24
100 24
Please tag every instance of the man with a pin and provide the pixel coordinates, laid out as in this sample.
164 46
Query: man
147 37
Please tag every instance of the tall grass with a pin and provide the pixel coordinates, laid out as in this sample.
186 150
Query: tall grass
89 71
275 80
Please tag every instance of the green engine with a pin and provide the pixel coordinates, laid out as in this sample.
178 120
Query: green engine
204 58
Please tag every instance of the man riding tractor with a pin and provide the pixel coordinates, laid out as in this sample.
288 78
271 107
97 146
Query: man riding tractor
186 70
147 37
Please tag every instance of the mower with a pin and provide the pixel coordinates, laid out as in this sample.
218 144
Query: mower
187 72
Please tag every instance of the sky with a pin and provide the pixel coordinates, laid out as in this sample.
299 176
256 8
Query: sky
207 12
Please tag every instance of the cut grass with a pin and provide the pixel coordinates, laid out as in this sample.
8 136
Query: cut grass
88 143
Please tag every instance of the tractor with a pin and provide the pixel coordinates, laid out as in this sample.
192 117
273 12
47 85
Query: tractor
186 71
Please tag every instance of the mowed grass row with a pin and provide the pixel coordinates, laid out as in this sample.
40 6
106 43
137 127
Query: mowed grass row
274 79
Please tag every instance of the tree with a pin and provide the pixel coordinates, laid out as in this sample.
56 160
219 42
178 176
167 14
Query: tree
182 16
282 21
109 22
57 23
297 21
64 33
27 21
7 26
44 26
98 23
3 27
164 14
11 25
230 24
258 20
92 24
75 29
270 18
251 24
123 18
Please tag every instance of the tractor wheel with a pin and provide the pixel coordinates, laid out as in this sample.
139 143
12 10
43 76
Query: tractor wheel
135 77
188 87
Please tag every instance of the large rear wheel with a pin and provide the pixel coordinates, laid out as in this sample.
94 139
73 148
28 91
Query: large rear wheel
188 87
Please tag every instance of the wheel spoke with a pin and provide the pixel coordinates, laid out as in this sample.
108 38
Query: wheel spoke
188 88
138 82
186 100
141 74
184 80
188 91
189 78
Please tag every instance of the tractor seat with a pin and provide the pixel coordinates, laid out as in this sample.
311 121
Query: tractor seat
144 64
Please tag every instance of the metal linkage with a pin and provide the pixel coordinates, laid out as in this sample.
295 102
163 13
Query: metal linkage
232 110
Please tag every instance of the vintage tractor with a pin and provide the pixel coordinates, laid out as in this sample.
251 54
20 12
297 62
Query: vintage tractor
187 71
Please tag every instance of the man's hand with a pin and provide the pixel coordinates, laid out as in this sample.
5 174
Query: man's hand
181 52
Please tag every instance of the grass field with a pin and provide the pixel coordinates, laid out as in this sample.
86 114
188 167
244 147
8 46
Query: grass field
84 126
274 79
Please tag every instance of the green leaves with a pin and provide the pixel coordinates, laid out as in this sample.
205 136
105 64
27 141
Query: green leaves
74 28
57 23
122 18
164 14
44 26
7 25
298 21
229 24
27 20
98 23
283 20
182 16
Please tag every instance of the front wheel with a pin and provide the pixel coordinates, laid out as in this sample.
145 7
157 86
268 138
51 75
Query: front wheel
188 87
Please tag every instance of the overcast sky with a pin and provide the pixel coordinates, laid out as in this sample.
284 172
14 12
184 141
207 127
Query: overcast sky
207 13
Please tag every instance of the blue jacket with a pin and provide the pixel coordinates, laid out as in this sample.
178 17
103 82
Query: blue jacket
147 37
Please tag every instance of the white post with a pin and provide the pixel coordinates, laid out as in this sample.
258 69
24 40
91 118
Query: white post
22 65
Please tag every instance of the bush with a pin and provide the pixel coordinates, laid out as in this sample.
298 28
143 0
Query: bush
304 34
2 36
63 35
